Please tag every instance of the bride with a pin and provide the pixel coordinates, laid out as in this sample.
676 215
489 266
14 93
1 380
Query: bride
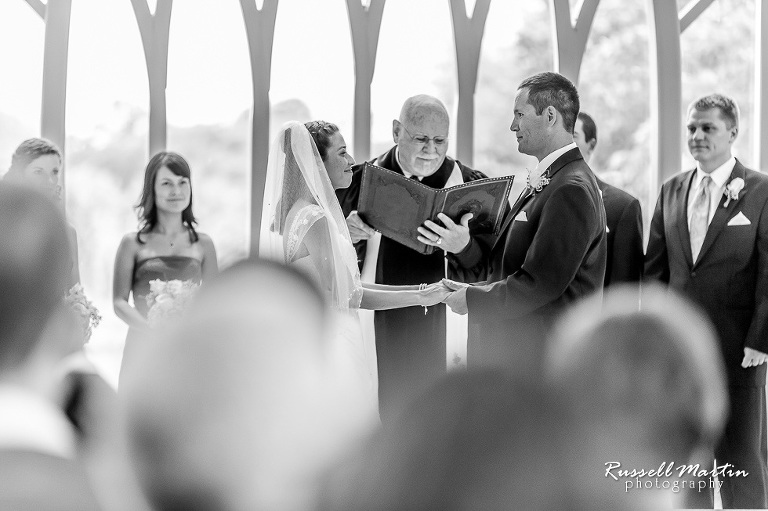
303 226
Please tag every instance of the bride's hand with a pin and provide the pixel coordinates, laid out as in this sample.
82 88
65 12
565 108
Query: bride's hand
434 294
453 285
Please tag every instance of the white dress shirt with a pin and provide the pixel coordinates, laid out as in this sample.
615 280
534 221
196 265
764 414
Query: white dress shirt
717 186
549 160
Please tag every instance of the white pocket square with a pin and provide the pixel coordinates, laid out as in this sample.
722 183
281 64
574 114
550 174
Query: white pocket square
739 219
521 217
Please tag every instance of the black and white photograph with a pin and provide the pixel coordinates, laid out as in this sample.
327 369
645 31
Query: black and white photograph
343 255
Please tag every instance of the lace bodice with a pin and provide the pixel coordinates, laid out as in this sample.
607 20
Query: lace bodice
300 232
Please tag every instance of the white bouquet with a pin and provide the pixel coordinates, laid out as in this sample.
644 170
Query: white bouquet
168 299
87 314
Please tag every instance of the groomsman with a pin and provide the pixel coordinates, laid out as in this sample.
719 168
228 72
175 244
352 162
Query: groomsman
623 216
551 248
709 239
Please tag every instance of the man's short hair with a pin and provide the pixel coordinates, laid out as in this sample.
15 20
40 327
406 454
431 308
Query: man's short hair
729 110
553 89
588 127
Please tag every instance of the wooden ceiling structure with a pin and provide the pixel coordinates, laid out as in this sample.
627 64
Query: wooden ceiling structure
570 31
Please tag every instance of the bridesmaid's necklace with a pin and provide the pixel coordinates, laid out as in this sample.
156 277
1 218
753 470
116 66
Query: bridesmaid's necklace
172 240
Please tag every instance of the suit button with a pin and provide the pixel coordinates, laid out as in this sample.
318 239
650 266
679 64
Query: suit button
693 274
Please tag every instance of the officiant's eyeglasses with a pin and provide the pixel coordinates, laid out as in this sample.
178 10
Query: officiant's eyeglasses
423 139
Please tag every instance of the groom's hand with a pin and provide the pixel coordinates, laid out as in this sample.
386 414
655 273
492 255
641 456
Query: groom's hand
452 237
457 301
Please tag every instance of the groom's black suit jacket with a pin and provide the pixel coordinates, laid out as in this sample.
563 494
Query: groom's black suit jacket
551 251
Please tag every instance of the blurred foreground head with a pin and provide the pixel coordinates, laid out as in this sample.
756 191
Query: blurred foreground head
34 258
475 440
235 409
644 387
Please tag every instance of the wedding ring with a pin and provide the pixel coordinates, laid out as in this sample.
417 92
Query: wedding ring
439 240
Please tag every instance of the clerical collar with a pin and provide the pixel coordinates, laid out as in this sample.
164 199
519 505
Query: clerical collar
554 155
719 176
405 172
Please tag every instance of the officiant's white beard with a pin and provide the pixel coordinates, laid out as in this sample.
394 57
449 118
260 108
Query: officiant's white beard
424 165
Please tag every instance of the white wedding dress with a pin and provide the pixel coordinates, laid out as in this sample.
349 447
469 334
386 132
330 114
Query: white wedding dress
302 226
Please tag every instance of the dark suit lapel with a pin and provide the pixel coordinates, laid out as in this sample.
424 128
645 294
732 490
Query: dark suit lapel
723 213
680 200
521 201
525 197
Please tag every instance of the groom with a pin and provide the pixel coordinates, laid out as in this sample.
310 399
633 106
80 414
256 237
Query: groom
551 249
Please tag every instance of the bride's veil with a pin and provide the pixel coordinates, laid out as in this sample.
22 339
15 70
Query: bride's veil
296 181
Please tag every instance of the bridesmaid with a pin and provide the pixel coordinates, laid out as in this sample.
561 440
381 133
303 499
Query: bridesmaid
38 162
166 246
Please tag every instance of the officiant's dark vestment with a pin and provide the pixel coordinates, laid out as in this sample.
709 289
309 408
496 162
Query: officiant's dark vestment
729 280
624 230
410 346
551 251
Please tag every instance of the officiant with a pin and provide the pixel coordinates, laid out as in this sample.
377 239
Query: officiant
411 342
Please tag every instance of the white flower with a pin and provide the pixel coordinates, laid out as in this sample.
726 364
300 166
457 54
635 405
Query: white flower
164 298
168 301
87 314
157 286
732 190
538 182
174 287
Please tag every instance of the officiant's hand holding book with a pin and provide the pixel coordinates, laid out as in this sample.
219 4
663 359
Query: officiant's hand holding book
401 208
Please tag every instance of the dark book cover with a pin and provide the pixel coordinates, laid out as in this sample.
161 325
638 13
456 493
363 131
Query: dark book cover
396 206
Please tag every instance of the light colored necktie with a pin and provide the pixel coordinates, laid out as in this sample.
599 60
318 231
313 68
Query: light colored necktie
700 217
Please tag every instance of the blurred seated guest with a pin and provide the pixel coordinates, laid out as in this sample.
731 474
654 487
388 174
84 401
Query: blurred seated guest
39 162
167 246
644 387
237 408
475 440
624 218
84 394
38 465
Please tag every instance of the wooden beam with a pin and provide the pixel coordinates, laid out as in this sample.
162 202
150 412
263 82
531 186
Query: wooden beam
155 30
38 6
55 59
570 38
365 26
260 30
666 95
693 10
468 37
761 87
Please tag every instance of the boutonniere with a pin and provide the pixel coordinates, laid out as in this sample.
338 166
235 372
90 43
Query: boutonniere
539 183
732 190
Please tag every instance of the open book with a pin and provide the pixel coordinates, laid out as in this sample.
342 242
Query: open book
396 206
